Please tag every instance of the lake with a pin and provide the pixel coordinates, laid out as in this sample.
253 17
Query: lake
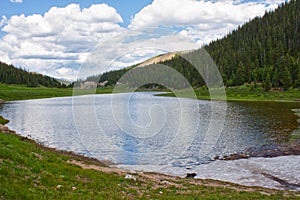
143 129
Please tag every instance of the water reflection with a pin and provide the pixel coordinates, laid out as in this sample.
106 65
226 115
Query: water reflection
166 130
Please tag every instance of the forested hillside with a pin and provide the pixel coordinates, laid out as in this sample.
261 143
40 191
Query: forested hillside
264 48
264 51
12 75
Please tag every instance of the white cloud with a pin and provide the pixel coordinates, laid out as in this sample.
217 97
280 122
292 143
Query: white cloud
60 38
202 20
132 46
3 21
16 1
59 41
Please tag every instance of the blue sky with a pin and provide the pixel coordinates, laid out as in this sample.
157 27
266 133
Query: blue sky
55 37
29 7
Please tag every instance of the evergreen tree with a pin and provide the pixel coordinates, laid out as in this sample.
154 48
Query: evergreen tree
267 83
286 80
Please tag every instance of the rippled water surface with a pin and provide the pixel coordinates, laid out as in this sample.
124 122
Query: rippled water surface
139 128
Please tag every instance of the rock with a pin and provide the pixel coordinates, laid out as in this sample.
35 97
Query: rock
231 157
129 176
74 188
188 167
59 186
190 175
216 158
37 156
3 128
244 156
236 156
165 182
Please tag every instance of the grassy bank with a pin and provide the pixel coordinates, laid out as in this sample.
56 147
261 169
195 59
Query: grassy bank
21 92
29 171
245 93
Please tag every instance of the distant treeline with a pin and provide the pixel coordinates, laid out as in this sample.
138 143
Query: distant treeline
264 51
12 75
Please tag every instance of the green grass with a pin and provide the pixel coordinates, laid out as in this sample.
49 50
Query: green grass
244 93
3 121
29 171
21 92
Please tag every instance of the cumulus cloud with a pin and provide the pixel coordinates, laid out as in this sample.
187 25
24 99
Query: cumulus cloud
134 46
62 35
58 42
16 1
203 20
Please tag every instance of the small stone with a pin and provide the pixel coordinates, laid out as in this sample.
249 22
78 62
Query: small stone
74 188
188 167
165 182
244 156
129 176
216 157
190 175
160 192
59 186
4 128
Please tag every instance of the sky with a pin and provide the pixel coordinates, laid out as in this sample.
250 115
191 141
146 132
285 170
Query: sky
58 37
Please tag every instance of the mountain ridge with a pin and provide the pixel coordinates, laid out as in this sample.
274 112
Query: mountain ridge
264 51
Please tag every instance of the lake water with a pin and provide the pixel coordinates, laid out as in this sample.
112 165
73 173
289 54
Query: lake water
143 129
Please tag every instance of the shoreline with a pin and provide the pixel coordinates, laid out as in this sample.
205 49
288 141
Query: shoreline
109 167
162 184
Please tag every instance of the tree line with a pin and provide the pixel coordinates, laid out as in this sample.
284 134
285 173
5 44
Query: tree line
12 75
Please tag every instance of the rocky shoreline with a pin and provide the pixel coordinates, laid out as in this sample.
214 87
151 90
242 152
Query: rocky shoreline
267 151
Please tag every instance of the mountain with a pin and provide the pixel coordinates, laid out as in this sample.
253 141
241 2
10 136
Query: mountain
12 75
265 50
157 59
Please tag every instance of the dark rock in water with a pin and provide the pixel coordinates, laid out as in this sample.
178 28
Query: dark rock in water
244 156
188 167
236 156
278 150
216 157
292 186
190 175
